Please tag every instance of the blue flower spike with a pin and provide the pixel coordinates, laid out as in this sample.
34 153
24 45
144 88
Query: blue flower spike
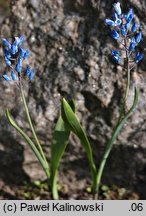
125 31
15 62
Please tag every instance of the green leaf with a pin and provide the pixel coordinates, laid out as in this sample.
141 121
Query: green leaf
71 119
58 146
28 141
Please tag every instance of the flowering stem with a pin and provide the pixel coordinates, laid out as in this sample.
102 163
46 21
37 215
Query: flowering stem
128 72
31 125
115 133
121 120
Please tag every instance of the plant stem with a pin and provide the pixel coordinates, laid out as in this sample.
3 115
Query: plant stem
115 133
121 120
54 189
30 122
95 196
128 72
105 156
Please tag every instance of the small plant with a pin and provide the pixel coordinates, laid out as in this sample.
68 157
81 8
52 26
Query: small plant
125 31
14 55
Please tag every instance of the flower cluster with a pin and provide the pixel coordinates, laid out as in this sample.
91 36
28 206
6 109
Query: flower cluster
125 31
14 55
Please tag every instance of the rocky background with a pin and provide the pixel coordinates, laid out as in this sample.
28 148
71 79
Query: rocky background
70 50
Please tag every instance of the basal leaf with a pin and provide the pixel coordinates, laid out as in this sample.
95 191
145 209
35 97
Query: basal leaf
71 119
58 145
28 141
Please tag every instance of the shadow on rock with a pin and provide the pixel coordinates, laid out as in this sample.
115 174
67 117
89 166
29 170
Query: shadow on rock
11 161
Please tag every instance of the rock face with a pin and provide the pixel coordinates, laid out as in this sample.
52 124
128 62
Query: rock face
70 51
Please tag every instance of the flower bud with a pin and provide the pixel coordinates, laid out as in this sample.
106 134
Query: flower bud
6 77
115 34
117 8
13 75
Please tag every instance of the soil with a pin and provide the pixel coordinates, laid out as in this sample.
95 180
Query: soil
39 191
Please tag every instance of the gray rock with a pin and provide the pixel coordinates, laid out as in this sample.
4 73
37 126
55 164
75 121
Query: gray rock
70 51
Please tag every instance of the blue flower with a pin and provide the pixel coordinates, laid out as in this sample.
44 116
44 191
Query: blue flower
115 53
129 16
117 20
5 76
138 37
116 56
19 65
7 61
6 43
134 27
115 34
31 75
16 61
17 68
22 52
127 26
26 54
132 46
20 61
27 71
18 40
14 48
138 57
7 54
117 8
123 30
13 75
116 59
109 22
